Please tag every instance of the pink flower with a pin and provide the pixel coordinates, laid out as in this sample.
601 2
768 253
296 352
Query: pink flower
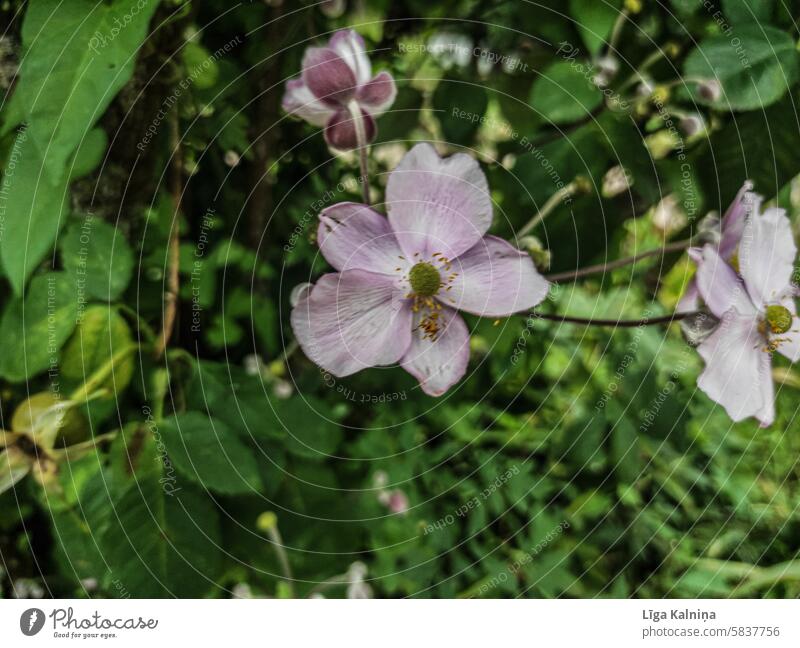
757 316
402 279
336 86
730 233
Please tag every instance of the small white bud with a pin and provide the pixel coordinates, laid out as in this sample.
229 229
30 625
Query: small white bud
709 90
232 158
617 180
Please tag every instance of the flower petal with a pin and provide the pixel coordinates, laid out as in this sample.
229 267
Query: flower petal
738 369
690 301
352 320
718 284
340 132
328 76
494 279
299 100
438 205
348 44
790 341
440 363
378 94
746 202
352 236
766 256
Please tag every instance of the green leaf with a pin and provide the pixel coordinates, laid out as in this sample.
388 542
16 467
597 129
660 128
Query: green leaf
755 65
208 452
594 20
75 60
89 154
748 11
459 106
101 333
37 327
37 200
161 543
564 93
98 257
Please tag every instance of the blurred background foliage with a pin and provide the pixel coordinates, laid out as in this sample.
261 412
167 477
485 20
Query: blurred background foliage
571 462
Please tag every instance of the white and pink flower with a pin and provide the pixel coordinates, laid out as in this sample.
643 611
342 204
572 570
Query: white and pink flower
401 280
336 88
757 315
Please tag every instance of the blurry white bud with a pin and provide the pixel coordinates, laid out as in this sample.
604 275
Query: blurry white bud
359 590
333 8
709 90
380 479
89 584
607 68
356 571
282 389
26 588
252 365
242 591
299 292
617 180
232 158
668 216
645 88
692 125
317 595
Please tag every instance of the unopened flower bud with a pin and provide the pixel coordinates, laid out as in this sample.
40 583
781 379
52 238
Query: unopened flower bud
617 180
633 6
380 479
333 8
662 143
668 216
692 125
398 502
645 88
232 158
252 365
533 246
267 521
282 389
709 90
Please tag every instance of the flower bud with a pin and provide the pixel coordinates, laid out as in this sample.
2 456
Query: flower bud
282 389
398 502
267 521
232 158
709 90
333 8
668 216
617 180
692 125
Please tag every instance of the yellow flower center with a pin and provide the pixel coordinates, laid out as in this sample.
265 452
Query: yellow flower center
425 279
779 319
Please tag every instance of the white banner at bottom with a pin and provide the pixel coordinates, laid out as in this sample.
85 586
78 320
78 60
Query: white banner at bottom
400 623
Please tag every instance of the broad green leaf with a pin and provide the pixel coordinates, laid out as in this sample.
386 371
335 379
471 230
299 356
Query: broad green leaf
564 92
89 154
755 66
100 336
161 542
37 327
459 106
98 257
208 452
747 11
594 20
36 201
76 58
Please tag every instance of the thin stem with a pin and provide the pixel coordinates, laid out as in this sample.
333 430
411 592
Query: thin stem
616 32
361 138
173 258
552 202
280 552
571 275
588 321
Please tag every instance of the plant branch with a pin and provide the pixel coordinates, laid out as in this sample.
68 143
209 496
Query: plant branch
173 253
619 263
621 323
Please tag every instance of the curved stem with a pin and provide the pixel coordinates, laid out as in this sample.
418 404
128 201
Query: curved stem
619 263
552 202
588 321
361 137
